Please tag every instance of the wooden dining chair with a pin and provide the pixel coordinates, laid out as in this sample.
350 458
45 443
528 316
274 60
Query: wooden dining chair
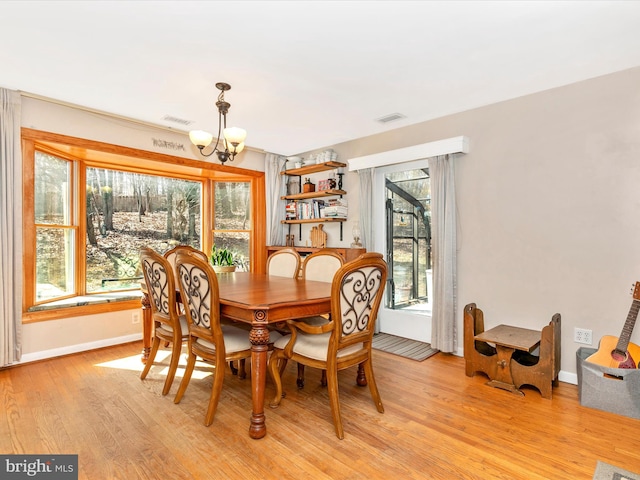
320 266
284 263
343 342
169 326
170 255
207 338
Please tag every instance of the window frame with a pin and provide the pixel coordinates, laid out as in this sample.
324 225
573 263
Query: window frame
214 231
89 153
73 219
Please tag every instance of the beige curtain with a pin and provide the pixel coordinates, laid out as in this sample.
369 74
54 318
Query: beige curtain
274 189
10 228
443 216
366 176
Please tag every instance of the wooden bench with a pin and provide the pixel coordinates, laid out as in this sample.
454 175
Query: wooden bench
478 356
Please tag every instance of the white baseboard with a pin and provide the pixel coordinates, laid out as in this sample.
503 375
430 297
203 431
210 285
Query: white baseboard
568 377
83 347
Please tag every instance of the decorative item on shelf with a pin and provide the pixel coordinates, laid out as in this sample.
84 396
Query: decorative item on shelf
233 137
318 237
356 235
295 161
327 156
293 185
328 184
308 186
290 240
222 260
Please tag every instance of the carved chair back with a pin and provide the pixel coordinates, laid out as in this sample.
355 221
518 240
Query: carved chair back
356 295
170 255
161 288
200 296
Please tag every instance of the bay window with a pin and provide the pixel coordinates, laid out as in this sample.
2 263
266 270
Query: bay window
87 215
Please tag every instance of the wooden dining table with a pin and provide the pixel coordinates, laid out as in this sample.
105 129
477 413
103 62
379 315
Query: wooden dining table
259 300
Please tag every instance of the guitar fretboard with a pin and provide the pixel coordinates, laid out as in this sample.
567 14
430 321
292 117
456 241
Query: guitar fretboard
627 330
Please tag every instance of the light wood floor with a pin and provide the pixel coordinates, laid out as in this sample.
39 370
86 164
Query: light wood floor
438 423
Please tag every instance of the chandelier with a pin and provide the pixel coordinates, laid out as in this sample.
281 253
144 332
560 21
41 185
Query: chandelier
233 137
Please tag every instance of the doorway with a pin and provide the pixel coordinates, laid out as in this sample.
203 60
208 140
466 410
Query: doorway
403 199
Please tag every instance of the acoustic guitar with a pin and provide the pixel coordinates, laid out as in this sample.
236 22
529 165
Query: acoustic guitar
619 352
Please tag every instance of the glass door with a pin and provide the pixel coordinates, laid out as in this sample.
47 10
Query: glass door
408 231
404 203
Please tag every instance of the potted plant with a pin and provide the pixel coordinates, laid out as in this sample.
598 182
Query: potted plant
222 260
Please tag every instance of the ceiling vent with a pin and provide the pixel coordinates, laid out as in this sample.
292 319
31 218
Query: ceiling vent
181 121
390 118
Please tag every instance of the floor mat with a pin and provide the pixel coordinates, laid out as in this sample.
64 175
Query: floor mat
604 471
403 346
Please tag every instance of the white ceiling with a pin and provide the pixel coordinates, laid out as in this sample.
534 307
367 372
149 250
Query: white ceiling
307 74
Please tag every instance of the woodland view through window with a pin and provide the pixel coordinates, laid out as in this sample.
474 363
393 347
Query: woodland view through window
123 211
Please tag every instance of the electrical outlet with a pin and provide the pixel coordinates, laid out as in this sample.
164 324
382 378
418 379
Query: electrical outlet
583 335
135 317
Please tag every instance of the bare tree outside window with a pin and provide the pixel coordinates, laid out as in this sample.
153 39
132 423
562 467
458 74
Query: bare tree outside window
55 227
132 210
232 222
123 211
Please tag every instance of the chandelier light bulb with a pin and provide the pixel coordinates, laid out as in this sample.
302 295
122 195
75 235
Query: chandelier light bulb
235 135
200 138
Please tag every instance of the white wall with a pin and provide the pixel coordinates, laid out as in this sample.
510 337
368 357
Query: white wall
548 199
76 334
57 118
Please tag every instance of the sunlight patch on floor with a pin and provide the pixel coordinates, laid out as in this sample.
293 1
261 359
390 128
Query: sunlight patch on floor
160 365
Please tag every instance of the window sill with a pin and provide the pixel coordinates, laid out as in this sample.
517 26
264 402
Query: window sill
84 305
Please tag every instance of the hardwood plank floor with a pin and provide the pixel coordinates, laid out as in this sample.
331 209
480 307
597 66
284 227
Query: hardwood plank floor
437 424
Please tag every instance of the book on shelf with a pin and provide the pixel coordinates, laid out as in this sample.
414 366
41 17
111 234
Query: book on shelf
304 210
334 211
290 211
338 202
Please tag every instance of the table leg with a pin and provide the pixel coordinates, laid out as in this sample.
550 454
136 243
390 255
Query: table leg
259 337
361 378
503 379
146 326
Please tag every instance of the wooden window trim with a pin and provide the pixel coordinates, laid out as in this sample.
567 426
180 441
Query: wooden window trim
104 155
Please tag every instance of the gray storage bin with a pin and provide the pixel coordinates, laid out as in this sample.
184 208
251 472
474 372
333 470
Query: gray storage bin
619 395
